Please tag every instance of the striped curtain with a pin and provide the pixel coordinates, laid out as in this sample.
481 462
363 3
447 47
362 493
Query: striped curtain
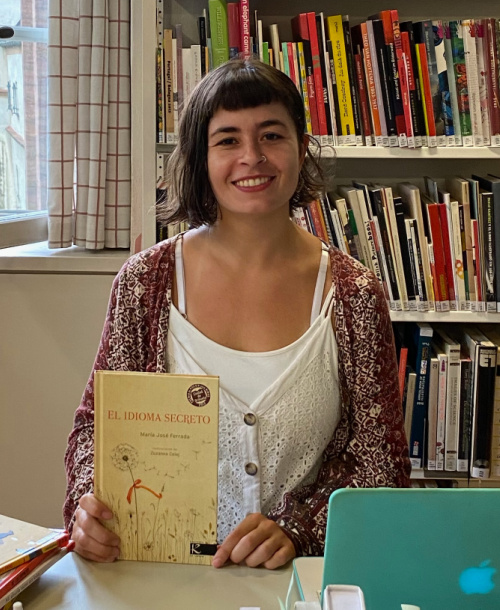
89 124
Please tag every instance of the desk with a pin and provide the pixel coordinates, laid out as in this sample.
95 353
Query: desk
76 584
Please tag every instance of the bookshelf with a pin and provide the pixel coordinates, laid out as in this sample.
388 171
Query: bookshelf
384 165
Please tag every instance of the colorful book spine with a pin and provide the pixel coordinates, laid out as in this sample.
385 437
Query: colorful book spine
432 411
371 87
304 87
336 35
423 338
426 92
469 41
317 77
245 45
351 70
219 31
445 126
233 27
482 54
493 82
457 46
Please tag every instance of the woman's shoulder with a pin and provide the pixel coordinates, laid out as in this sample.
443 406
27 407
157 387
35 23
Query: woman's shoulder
351 276
150 261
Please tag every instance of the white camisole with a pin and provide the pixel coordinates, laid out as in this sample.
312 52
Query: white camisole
278 409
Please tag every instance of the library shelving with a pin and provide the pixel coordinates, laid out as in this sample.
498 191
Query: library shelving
365 164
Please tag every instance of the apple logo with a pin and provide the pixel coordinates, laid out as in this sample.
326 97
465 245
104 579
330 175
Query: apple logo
477 580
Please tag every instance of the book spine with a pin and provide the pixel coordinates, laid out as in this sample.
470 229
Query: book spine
457 45
179 66
416 95
484 396
469 40
429 37
489 249
202 37
397 252
351 71
405 254
304 88
324 63
418 424
493 84
317 77
465 421
425 87
246 47
452 84
495 429
384 140
448 256
219 31
458 256
403 359
441 411
160 124
318 221
384 75
442 107
390 22
432 413
363 97
452 408
407 84
482 54
336 106
476 251
423 304
233 27
371 88
437 243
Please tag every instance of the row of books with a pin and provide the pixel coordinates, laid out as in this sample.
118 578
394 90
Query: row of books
378 83
450 385
26 552
436 247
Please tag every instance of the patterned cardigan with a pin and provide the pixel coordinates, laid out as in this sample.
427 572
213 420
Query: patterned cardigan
368 448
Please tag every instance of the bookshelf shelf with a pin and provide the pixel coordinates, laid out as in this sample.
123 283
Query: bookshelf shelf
396 153
423 473
467 317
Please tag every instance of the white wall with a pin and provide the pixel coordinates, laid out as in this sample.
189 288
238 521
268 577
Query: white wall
50 325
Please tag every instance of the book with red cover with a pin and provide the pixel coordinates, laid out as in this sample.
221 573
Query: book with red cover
245 46
233 27
318 80
492 82
434 222
357 49
449 262
300 32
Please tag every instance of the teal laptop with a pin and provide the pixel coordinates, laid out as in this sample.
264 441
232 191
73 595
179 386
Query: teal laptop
438 549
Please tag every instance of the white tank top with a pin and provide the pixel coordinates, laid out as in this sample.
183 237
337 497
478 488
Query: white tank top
278 409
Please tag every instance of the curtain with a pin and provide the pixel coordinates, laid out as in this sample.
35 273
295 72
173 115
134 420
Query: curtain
89 124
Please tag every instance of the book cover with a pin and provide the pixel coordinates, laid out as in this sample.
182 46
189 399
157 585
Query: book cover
219 31
21 541
156 447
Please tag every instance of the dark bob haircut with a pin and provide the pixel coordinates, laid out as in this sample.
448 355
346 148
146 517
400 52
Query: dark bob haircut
237 84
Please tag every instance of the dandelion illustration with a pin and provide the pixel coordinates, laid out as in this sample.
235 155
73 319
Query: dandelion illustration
125 457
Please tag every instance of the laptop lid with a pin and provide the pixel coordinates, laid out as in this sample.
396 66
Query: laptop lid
438 549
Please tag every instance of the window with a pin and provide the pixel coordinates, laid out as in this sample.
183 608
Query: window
23 121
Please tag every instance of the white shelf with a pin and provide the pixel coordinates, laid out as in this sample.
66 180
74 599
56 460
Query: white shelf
470 317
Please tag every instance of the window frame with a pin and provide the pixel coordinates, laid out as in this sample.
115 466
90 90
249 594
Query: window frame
19 227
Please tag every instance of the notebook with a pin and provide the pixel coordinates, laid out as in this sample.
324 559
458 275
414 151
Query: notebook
438 549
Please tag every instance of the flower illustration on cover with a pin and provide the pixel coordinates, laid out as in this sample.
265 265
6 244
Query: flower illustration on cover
125 457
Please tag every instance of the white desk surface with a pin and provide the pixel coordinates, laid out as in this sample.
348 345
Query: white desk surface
76 584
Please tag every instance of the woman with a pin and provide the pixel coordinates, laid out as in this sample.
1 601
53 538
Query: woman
299 333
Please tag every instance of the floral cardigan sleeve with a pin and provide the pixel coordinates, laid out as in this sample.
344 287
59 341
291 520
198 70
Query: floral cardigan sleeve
368 448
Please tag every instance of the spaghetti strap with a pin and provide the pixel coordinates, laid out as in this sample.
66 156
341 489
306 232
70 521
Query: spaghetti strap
320 285
179 278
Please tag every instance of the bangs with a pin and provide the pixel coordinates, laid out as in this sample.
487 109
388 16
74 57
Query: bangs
243 88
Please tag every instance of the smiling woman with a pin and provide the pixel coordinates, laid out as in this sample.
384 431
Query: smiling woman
299 334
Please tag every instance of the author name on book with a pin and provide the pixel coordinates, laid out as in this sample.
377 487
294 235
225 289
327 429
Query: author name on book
149 416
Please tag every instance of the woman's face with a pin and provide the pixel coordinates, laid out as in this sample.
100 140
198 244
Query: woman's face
254 159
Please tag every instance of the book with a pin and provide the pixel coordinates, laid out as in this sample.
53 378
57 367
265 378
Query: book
483 354
21 542
432 413
156 452
441 410
233 28
448 53
416 102
245 46
28 573
420 350
448 345
493 334
444 124
219 31
460 72
470 54
465 414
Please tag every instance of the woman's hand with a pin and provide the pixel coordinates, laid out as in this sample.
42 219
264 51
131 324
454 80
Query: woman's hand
92 540
256 541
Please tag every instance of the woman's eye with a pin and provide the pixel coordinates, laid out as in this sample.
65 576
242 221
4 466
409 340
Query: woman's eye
226 142
272 136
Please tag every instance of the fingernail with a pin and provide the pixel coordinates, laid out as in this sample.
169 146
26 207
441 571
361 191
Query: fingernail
216 562
107 514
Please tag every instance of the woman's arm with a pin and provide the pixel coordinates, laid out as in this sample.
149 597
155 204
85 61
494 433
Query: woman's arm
369 447
124 346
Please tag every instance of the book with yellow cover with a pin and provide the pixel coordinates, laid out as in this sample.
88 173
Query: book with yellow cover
156 452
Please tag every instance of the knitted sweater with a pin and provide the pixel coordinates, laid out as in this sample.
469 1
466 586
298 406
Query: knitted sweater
368 447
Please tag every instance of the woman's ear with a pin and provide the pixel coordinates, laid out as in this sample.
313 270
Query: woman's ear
303 147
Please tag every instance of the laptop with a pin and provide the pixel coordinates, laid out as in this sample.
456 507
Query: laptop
437 549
